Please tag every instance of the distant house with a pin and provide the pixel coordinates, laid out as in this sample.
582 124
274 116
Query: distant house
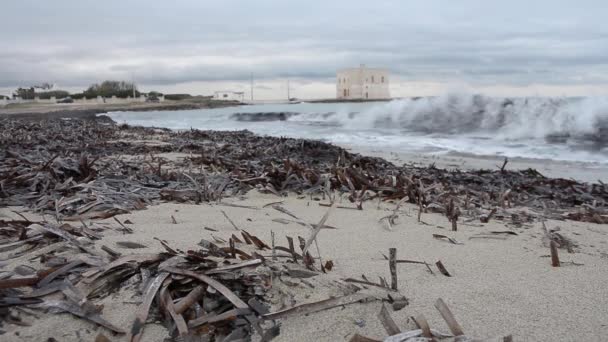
362 83
226 95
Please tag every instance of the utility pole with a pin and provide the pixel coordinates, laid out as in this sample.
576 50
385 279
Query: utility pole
133 77
288 97
251 87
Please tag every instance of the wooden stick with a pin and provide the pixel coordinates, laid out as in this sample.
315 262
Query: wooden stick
232 251
274 251
447 315
316 230
387 321
422 324
392 265
291 248
114 254
229 220
554 256
188 300
504 164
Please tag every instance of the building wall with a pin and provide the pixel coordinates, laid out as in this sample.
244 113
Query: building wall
97 100
362 83
229 96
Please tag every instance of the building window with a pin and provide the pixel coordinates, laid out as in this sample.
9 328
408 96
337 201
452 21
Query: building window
344 92
382 79
225 95
372 79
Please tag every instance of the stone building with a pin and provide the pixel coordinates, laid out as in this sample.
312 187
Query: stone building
362 83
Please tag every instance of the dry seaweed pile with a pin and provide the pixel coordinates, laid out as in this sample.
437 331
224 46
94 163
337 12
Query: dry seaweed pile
220 291
213 291
78 171
70 169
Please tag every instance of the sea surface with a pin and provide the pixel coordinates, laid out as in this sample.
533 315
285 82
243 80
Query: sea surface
561 129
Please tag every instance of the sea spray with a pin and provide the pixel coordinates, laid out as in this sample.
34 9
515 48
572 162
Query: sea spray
569 129
517 118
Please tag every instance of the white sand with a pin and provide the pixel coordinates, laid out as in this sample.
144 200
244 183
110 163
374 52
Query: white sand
498 287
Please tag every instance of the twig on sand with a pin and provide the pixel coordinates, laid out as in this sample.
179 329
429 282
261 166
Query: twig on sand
316 230
229 220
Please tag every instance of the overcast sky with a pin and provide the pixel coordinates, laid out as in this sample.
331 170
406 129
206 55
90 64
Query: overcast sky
516 47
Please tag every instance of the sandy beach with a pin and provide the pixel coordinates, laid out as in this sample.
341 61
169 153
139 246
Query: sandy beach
500 283
498 286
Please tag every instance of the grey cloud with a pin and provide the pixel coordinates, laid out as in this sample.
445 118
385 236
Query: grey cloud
520 42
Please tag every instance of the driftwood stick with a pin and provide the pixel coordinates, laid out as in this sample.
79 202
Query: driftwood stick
447 315
554 256
392 264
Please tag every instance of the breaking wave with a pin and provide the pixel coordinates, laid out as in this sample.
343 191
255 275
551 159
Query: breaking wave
555 119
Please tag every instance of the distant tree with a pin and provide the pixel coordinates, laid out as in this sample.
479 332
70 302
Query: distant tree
25 93
59 94
155 93
177 97
111 88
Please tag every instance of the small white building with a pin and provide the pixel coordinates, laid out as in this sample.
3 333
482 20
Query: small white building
362 83
226 95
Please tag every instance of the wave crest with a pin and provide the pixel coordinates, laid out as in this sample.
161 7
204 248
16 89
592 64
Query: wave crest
516 118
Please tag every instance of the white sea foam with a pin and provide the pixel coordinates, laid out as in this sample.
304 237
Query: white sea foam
462 114
520 127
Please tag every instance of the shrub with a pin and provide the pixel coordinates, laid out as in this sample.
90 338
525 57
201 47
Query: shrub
59 94
177 97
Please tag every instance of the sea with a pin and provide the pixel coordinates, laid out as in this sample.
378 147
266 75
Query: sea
560 129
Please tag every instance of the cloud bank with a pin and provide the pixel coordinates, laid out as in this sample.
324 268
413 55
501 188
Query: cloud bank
543 44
